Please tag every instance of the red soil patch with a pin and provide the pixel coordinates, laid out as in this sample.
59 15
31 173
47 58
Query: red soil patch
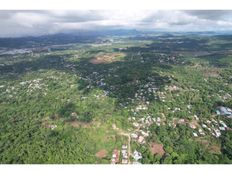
106 58
157 149
101 154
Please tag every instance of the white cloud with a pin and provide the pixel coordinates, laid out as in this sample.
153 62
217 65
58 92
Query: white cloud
30 19
21 23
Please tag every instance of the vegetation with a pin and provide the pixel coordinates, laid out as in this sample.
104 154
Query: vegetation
58 105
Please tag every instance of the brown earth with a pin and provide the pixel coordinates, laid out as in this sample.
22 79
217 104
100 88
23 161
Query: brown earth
212 148
101 154
157 149
45 122
215 149
211 72
107 58
203 142
77 124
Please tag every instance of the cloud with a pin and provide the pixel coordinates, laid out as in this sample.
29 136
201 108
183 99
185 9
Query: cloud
24 23
30 19
210 14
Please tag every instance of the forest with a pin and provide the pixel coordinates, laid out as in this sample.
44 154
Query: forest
77 104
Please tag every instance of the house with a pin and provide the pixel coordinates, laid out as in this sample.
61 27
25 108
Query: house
115 157
196 117
154 119
141 107
136 124
142 120
113 161
124 161
189 106
134 135
201 132
192 125
204 126
124 151
145 134
124 147
124 154
195 134
181 121
52 126
223 124
217 133
222 128
136 162
137 155
141 140
224 111
74 114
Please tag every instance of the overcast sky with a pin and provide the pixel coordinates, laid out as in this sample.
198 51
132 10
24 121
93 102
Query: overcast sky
32 23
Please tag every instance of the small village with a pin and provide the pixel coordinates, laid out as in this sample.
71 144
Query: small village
210 127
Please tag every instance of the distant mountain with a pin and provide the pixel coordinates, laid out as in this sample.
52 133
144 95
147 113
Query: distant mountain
63 38
90 36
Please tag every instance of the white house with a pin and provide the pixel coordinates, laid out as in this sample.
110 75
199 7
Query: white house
137 155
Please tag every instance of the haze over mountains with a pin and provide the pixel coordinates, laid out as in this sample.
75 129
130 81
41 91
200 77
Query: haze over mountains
35 23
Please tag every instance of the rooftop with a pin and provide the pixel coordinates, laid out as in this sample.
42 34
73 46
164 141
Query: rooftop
224 111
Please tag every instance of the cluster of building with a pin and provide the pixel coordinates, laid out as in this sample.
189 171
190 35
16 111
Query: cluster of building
137 137
124 151
200 128
172 88
209 126
115 159
224 111
31 85
34 84
145 90
141 126
140 107
15 51
161 96
146 121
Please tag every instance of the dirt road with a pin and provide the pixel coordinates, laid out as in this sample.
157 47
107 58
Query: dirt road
121 132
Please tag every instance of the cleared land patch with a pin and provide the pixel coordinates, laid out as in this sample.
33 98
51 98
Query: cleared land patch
107 58
157 149
101 153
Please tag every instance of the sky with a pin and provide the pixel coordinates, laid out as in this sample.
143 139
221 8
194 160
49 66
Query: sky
33 23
